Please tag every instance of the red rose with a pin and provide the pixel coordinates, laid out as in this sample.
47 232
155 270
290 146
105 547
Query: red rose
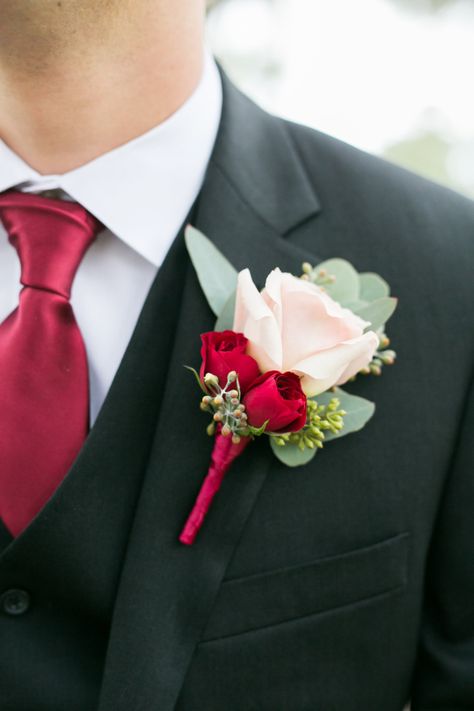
223 352
278 398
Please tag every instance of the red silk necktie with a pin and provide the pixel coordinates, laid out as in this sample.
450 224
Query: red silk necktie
44 388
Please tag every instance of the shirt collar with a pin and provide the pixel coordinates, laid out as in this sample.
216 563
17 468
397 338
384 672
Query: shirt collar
142 190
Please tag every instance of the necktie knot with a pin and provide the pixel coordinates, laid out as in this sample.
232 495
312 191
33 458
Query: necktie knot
51 237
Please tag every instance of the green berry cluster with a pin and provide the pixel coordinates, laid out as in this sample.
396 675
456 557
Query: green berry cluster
383 356
320 277
321 419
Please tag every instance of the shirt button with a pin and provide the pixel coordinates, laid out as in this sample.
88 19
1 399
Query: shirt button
15 602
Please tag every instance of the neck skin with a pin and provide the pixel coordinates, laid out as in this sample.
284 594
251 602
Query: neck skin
79 78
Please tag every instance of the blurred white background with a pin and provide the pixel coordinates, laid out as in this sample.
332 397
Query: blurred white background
394 77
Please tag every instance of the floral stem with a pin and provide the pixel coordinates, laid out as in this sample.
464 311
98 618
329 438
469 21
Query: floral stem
223 455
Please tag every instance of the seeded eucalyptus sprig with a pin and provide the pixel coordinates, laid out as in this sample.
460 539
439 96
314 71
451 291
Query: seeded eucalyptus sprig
321 419
226 408
317 276
382 356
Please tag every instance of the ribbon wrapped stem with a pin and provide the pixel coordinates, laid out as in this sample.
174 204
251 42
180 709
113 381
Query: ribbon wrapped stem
223 455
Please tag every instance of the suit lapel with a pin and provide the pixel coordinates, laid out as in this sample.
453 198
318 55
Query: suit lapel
167 590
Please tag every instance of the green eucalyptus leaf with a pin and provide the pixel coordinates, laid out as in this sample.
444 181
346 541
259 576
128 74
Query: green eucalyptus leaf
345 289
217 276
291 454
355 306
378 312
225 322
359 411
372 287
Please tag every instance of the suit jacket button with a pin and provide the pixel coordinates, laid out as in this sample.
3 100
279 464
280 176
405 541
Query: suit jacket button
15 602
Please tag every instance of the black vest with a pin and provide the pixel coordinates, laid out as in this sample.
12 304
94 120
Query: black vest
58 579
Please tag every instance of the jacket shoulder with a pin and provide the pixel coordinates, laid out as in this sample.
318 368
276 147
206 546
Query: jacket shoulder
345 176
417 234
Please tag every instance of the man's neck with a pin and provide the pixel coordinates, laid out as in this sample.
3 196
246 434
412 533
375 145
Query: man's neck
64 101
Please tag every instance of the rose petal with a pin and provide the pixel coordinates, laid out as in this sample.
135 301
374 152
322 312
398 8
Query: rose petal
256 321
308 318
276 398
312 322
224 351
362 361
330 367
272 295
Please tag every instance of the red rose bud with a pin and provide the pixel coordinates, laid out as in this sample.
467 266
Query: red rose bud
278 398
223 352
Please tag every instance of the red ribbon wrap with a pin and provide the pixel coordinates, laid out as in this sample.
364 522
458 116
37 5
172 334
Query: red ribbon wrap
223 455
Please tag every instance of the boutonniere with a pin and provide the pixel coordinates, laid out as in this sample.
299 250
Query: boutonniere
275 362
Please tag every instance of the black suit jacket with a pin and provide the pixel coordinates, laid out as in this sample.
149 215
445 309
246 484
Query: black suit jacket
346 585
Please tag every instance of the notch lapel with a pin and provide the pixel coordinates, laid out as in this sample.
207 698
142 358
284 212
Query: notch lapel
167 590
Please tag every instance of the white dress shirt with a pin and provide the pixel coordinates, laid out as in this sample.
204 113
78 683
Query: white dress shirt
142 192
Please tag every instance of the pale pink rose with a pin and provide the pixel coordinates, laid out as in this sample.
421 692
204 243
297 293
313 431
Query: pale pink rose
295 326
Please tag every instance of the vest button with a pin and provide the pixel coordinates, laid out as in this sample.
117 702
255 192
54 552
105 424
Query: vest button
15 602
